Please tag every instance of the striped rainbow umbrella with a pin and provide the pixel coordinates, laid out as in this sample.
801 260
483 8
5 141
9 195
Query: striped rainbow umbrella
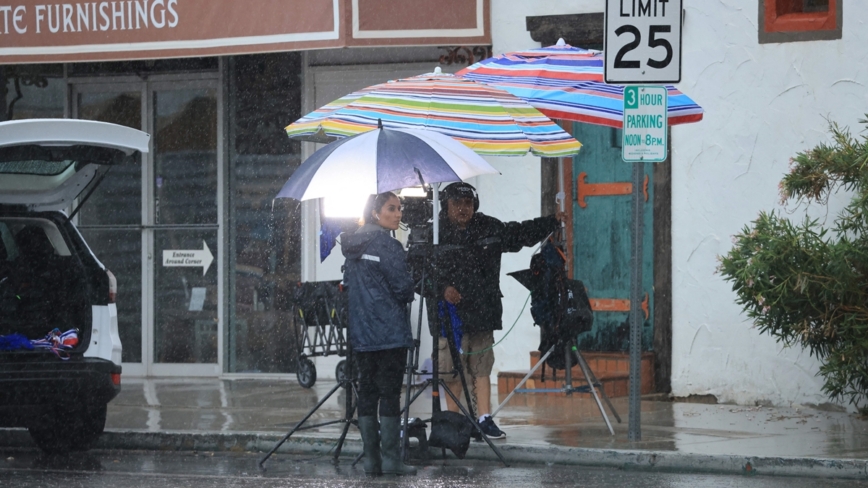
566 82
486 119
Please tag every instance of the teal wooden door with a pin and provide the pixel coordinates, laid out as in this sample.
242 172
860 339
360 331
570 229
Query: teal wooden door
602 215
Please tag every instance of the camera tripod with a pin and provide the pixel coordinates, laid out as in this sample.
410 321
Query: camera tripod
435 381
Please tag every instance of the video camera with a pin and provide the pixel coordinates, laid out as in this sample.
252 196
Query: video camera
418 215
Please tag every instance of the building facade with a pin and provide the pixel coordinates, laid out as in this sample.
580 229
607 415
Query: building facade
770 74
215 96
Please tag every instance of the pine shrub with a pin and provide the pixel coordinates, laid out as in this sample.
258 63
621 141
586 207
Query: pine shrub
805 284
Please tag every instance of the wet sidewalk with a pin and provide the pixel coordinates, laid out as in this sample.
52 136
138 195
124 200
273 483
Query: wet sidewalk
253 414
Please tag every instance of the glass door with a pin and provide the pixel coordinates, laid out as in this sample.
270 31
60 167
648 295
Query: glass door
155 224
184 210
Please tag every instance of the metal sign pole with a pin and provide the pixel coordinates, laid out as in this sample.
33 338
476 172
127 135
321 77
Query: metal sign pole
634 432
645 127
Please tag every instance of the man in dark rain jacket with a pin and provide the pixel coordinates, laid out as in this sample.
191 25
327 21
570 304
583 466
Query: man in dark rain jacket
468 277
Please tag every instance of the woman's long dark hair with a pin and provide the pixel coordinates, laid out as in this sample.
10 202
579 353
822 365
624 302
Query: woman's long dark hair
375 204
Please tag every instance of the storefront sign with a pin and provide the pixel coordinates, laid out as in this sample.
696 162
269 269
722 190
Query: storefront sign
34 31
645 124
192 258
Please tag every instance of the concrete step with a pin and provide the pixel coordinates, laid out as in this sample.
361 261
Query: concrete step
601 362
612 369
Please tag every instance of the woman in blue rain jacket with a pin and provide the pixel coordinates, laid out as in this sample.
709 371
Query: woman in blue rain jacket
380 288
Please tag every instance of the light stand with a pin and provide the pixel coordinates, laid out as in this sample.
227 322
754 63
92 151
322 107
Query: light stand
348 383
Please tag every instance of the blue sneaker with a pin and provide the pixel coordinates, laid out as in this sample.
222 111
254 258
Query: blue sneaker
490 429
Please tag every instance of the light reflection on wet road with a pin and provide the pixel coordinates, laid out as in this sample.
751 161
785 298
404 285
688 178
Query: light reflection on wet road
111 469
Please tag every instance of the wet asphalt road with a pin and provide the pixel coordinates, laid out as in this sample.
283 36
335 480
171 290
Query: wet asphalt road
98 469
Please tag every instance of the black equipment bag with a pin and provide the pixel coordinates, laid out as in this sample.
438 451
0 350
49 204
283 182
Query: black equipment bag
338 302
325 301
559 305
450 430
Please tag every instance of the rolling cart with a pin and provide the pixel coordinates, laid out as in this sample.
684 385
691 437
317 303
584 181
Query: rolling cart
320 314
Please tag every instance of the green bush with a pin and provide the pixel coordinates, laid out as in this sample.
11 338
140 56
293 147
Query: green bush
807 285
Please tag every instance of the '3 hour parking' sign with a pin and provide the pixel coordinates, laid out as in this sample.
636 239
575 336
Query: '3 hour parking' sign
643 41
646 121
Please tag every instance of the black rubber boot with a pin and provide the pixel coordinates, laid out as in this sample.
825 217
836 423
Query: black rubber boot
370 429
390 437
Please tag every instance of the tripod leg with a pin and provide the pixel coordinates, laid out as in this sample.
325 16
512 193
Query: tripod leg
590 379
404 440
298 425
348 420
456 364
473 421
609 403
357 459
585 367
435 374
415 396
520 383
349 408
466 389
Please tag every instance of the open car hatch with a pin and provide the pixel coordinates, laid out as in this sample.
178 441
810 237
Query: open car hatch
45 164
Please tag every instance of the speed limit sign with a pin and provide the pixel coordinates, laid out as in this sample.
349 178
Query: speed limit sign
643 41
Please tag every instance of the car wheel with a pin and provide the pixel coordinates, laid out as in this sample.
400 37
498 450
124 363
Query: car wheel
64 428
306 373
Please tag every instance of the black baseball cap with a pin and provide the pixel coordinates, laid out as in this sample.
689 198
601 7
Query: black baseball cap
456 191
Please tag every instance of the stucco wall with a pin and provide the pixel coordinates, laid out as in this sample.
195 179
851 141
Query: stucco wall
763 104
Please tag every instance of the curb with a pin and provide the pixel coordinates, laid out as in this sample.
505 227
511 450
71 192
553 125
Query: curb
666 461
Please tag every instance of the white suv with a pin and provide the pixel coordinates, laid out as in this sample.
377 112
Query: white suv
50 279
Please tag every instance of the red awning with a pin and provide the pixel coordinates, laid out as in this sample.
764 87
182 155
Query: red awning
32 31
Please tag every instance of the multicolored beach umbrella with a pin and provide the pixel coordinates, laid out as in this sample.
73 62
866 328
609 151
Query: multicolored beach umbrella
566 82
486 119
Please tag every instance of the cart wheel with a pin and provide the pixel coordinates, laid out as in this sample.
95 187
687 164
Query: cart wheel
306 373
341 371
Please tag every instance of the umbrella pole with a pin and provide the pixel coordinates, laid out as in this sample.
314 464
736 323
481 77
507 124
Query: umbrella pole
435 357
561 195
436 211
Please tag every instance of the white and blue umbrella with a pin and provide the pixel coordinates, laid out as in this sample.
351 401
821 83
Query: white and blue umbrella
383 160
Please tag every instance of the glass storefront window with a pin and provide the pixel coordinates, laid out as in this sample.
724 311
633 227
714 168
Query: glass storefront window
32 91
118 198
185 159
264 234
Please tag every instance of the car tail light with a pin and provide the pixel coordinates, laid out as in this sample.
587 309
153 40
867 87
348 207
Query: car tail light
116 379
113 286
